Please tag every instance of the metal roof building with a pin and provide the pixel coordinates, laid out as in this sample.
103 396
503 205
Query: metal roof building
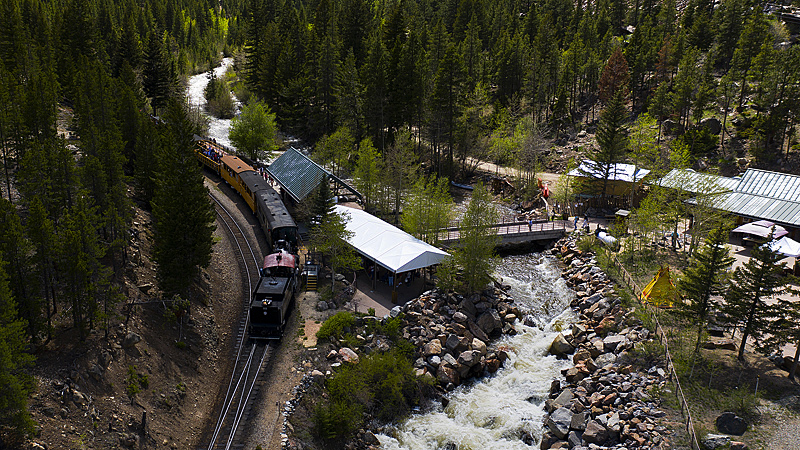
299 175
758 194
697 182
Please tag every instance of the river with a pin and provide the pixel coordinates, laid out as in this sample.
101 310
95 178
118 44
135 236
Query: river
498 411
217 128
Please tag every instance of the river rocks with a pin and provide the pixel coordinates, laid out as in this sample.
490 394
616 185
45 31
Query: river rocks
608 400
730 423
595 433
561 347
432 348
559 422
490 322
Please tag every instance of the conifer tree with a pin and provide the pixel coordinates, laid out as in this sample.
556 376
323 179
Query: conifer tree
182 212
475 251
15 382
329 235
752 285
612 142
705 279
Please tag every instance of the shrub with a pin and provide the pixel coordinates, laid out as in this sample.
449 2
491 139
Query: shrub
383 384
335 325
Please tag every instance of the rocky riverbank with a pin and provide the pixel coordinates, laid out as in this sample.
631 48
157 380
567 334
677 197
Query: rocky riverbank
603 401
452 335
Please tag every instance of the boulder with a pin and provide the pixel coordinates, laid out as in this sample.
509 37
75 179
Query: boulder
574 439
611 342
468 358
322 305
736 445
730 423
715 441
447 375
477 331
479 346
95 372
671 127
449 360
560 347
432 348
712 124
459 317
348 355
564 398
396 311
595 433
578 421
559 422
490 321
131 339
580 355
452 342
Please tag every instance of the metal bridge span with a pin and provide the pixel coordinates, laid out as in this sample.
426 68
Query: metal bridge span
513 233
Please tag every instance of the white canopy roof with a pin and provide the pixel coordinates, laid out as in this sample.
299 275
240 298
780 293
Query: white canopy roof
386 244
786 246
619 172
761 228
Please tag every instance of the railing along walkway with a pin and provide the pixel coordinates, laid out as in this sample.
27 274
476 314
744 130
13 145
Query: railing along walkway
512 229
629 281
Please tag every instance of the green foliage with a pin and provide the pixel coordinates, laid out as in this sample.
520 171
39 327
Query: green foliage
760 279
474 255
254 131
612 142
329 237
132 383
382 384
219 101
336 325
182 213
427 209
15 382
371 311
705 279
699 140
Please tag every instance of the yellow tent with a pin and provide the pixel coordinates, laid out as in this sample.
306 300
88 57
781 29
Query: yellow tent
660 291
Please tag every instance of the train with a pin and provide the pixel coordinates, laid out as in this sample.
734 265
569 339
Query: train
274 295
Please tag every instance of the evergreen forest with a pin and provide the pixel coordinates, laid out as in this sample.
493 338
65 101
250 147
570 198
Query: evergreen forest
93 116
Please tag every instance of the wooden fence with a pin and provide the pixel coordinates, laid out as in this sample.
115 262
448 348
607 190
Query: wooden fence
626 277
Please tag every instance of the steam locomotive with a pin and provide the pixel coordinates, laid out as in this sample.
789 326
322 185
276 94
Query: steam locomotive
274 295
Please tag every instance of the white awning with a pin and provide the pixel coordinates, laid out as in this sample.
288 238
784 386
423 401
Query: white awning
786 246
386 244
762 228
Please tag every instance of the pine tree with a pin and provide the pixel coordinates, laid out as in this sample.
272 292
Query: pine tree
329 236
475 251
614 78
15 382
182 212
612 142
752 285
16 248
704 280
158 78
785 330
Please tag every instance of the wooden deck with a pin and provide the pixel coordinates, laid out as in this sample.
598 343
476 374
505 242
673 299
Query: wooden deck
513 233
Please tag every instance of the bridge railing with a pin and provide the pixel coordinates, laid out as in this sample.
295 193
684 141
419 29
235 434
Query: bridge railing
514 227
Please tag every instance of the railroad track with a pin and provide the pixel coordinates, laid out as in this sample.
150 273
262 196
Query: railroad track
249 358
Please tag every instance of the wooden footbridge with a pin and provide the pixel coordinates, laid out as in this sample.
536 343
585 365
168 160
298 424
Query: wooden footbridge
512 232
